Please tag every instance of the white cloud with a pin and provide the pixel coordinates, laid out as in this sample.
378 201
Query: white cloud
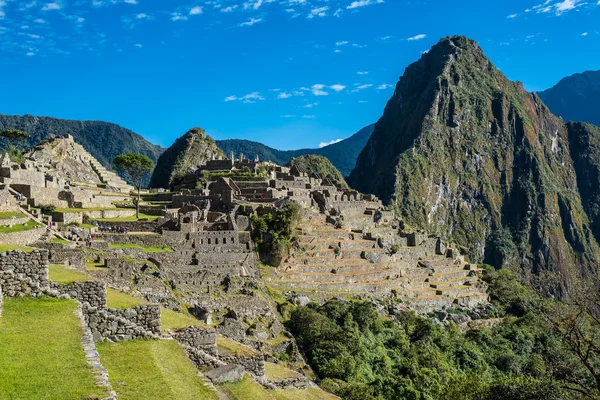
318 12
337 87
176 16
288 116
138 45
317 90
386 38
417 37
251 22
51 6
512 16
363 86
558 8
229 9
247 99
196 10
309 116
325 144
363 3
310 105
341 43
384 86
142 16
284 95
363 73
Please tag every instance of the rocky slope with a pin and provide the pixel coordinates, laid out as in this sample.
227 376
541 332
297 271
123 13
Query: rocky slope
319 165
103 140
185 155
462 151
575 98
342 154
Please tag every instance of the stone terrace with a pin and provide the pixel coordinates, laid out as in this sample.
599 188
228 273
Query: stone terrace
421 272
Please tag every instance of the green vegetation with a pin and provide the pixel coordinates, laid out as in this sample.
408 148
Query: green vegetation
276 372
48 209
14 136
133 218
118 299
60 274
10 214
149 249
319 165
136 167
227 346
246 389
152 370
60 241
19 227
273 232
41 356
188 152
172 320
302 394
9 247
359 355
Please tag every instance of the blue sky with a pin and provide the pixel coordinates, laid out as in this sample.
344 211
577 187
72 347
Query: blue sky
288 73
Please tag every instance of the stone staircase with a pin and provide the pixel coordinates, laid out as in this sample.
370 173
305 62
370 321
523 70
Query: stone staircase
336 261
107 177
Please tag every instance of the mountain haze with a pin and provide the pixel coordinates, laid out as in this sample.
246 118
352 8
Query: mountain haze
575 98
342 154
463 152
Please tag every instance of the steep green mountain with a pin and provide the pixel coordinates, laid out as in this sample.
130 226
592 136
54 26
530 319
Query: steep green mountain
575 98
342 154
462 151
185 155
319 165
103 140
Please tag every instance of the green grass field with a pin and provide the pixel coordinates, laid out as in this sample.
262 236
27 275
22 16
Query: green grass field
8 247
137 246
41 357
246 389
302 394
19 227
117 299
152 370
60 241
128 219
174 320
10 214
275 372
60 274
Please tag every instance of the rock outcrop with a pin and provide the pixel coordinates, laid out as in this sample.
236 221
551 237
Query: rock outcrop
188 153
463 152
319 165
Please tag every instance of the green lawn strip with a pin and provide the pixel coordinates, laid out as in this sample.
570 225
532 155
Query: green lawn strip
60 241
19 227
227 346
117 299
128 219
73 210
60 274
149 249
246 389
152 370
41 356
276 372
10 214
174 320
8 247
302 394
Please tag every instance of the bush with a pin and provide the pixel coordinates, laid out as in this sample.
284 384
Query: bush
47 208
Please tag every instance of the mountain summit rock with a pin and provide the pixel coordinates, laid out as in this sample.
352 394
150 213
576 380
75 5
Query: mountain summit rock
463 152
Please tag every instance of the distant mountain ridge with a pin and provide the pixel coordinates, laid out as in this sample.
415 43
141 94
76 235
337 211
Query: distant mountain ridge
342 155
575 98
103 140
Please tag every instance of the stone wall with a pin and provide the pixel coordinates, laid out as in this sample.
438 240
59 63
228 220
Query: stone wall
142 240
14 221
24 273
92 292
23 238
108 324
72 258
198 338
255 365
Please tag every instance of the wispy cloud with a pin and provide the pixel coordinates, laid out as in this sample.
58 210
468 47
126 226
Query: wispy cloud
384 86
318 12
325 144
247 99
52 6
558 8
337 87
251 22
363 3
196 10
284 95
417 37
512 16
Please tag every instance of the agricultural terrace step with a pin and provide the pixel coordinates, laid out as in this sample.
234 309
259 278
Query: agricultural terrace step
358 277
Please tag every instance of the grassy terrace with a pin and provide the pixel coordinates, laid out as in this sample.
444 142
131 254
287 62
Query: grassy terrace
137 246
19 227
8 247
297 394
174 320
117 299
10 214
41 356
275 372
59 274
246 389
152 370
229 347
129 219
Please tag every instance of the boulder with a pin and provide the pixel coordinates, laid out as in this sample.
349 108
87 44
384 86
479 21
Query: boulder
226 373
440 248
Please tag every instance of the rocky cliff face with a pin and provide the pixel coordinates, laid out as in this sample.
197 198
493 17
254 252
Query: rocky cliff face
185 155
463 152
576 97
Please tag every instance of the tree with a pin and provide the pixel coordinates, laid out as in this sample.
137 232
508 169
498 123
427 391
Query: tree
136 167
14 136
